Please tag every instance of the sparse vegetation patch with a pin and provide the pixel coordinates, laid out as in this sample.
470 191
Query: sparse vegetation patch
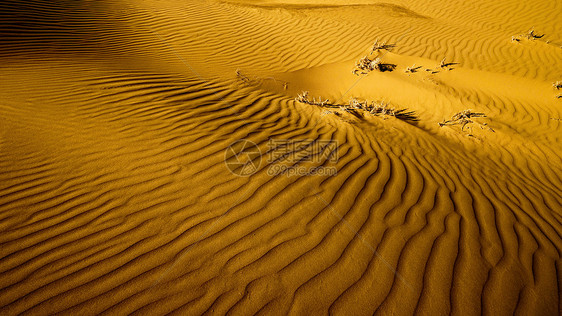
529 35
360 108
466 119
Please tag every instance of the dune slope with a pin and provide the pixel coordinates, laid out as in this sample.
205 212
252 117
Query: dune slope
117 117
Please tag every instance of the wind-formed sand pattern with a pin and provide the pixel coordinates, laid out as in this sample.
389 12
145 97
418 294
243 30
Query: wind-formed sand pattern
154 160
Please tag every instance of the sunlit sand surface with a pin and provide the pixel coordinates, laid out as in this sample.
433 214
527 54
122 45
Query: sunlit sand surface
116 118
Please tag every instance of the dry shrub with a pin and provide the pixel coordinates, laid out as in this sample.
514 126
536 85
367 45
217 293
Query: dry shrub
366 65
383 45
530 35
359 108
464 118
370 62
382 108
303 98
444 64
412 69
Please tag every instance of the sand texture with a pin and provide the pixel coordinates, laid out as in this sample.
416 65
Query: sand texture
116 119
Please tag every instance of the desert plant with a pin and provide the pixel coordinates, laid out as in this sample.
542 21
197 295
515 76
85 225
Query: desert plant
358 107
444 64
382 67
369 63
485 125
351 110
365 65
384 109
464 118
381 108
345 107
242 77
532 35
383 45
356 104
320 102
303 98
412 69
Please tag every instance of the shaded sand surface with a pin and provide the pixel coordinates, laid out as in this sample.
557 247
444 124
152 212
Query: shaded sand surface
115 197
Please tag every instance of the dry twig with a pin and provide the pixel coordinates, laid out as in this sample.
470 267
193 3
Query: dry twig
383 45
530 35
240 76
370 62
412 69
444 64
464 118
365 65
382 108
303 98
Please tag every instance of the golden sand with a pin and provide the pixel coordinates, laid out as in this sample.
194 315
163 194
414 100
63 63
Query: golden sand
116 119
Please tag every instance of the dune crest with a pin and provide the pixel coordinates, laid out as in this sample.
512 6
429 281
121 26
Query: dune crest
433 187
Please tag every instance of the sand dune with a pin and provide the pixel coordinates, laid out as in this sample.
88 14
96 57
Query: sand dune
115 197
